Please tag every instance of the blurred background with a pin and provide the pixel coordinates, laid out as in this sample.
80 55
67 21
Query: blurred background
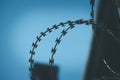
22 20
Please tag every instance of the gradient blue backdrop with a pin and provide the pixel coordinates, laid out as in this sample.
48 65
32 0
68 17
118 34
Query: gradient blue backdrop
22 20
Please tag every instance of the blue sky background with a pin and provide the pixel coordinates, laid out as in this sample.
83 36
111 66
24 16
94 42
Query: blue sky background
22 20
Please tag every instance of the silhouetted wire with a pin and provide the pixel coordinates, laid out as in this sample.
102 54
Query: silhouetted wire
58 40
49 30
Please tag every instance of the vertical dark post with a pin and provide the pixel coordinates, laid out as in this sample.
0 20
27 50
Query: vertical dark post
104 45
42 72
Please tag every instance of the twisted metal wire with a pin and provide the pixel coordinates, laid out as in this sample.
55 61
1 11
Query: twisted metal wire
43 34
49 30
108 66
58 40
64 32
109 32
39 38
92 3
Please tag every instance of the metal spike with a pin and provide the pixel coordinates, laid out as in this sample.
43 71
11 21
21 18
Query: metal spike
53 50
55 26
31 60
58 41
43 34
51 61
38 38
71 24
48 29
32 52
64 32
34 45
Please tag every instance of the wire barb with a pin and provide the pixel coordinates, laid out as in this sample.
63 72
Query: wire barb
51 61
32 52
43 34
53 50
64 32
58 41
55 27
31 60
71 25
38 38
49 30
34 45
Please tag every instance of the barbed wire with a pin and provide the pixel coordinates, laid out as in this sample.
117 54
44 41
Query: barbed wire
101 27
108 66
92 3
109 32
65 31
49 30
58 40
38 39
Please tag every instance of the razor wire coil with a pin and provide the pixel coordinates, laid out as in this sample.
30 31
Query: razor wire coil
58 40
